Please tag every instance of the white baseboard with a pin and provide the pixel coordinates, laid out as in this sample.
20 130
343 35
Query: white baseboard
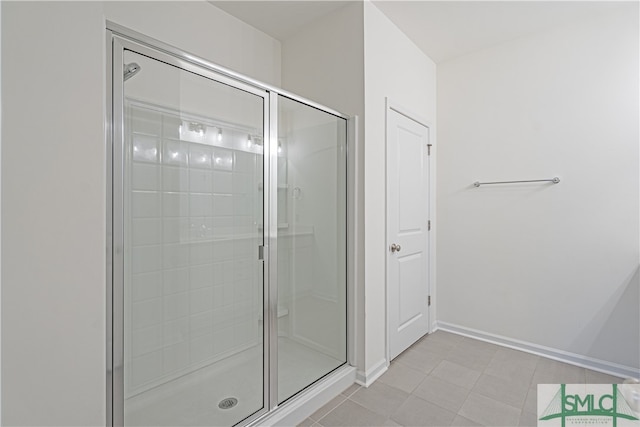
367 378
548 352
297 409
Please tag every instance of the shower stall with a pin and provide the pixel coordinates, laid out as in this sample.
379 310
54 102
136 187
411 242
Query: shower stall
227 227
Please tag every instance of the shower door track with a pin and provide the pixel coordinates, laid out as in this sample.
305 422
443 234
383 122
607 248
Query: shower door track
118 39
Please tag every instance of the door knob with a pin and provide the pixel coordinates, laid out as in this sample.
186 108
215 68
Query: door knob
395 247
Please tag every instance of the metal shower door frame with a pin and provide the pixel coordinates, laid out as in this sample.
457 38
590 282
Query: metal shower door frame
118 40
115 218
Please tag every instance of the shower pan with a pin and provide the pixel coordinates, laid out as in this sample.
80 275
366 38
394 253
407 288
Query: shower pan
227 227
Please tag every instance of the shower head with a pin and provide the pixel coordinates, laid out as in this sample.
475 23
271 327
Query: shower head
130 70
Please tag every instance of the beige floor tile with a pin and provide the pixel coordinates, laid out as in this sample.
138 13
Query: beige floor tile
391 423
421 360
418 412
328 407
380 398
476 357
402 377
531 402
438 342
489 412
520 358
511 392
307 422
443 336
478 347
351 414
594 377
528 419
481 344
435 348
442 393
456 374
553 372
510 369
351 389
463 422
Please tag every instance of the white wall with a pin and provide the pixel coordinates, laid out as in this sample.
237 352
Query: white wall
551 265
54 188
324 62
53 210
397 69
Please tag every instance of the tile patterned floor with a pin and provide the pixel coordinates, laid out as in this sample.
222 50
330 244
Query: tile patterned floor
449 380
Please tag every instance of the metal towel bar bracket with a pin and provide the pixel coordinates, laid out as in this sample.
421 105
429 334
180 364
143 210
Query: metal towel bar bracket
554 180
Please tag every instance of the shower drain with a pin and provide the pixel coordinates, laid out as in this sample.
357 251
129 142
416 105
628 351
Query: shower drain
228 403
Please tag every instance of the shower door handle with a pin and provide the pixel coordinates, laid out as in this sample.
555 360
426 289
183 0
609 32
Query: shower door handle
395 247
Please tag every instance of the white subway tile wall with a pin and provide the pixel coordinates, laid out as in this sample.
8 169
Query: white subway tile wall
193 282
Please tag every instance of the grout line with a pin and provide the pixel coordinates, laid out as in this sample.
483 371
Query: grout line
352 393
330 411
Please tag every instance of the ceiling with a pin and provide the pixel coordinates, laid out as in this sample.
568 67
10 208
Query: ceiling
447 29
441 29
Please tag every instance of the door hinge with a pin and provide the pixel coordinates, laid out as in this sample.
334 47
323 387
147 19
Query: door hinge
429 300
429 149
429 225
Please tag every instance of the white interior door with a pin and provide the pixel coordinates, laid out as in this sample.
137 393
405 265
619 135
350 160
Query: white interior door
407 231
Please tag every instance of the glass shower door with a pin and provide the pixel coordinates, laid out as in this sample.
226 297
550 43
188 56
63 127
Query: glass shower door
312 245
193 221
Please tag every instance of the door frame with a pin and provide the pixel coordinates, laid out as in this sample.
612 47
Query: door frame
391 105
